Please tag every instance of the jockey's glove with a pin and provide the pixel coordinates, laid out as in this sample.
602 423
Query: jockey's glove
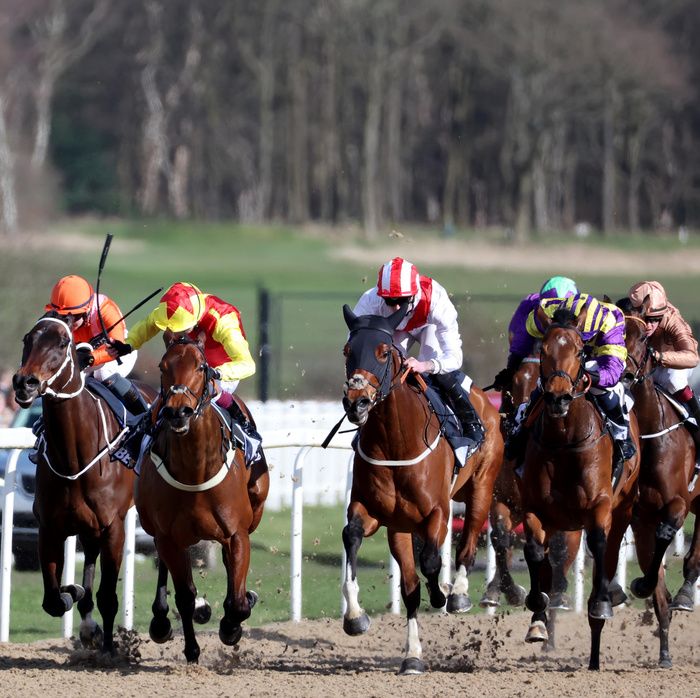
122 348
503 378
656 356
85 357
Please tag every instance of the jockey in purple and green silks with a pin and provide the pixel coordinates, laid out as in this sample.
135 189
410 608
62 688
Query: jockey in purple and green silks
520 341
604 337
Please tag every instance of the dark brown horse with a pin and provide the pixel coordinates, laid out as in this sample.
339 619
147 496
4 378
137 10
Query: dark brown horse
667 464
79 491
566 482
506 512
403 476
195 486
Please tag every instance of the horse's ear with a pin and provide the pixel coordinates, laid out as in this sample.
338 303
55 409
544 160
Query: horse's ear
581 319
395 318
645 305
201 338
543 320
167 338
606 298
350 317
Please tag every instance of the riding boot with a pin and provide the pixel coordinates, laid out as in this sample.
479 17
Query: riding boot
618 424
693 407
451 385
227 401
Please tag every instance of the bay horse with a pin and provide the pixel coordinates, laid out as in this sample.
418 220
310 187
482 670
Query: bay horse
667 465
506 511
403 476
567 475
79 490
194 485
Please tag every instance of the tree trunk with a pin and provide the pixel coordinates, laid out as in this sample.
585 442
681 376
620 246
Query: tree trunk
609 164
7 178
635 179
298 137
523 208
329 156
392 128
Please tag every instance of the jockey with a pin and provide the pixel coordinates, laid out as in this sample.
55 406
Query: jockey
185 310
431 321
73 295
671 344
521 341
604 338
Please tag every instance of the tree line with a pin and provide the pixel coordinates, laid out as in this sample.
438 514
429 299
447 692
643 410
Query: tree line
528 114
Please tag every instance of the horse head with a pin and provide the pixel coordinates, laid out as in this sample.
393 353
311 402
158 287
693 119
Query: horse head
636 340
48 353
186 383
561 360
370 357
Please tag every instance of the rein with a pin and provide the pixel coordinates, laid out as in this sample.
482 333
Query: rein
67 359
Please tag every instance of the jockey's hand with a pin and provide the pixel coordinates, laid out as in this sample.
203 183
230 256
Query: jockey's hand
656 356
419 366
503 378
117 349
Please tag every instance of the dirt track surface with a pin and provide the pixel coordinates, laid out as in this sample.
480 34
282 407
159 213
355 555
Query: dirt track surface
471 655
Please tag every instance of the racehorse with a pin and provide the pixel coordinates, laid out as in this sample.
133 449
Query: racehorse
667 464
403 476
79 490
566 482
506 513
195 486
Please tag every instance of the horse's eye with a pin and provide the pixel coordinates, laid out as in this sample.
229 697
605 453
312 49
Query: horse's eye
386 354
64 342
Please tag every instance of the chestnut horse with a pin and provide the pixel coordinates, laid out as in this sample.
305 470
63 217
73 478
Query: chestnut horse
506 512
403 476
667 464
195 485
79 490
566 482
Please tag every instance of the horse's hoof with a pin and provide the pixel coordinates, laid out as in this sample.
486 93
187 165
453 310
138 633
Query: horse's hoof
160 630
75 590
459 603
490 599
560 601
412 666
537 602
682 602
640 588
665 662
356 626
202 611
67 600
438 599
600 610
515 595
617 594
252 598
537 632
91 635
229 635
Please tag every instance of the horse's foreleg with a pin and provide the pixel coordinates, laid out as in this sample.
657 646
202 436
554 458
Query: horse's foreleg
536 601
258 487
644 545
435 527
177 560
599 606
401 546
360 524
672 517
238 601
90 633
55 602
112 549
502 541
558 554
684 600
160 629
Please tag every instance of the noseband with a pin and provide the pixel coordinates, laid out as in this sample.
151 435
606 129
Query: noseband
638 376
202 400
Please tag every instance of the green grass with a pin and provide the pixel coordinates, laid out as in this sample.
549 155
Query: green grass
269 576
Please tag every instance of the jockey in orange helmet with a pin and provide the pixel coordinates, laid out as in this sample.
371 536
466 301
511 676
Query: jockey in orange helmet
73 295
184 309
431 322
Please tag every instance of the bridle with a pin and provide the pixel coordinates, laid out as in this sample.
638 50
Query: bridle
637 376
202 400
68 359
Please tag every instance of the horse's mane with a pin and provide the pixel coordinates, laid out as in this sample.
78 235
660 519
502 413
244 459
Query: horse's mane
564 317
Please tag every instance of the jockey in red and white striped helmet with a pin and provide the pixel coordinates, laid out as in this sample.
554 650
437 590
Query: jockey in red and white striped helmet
431 321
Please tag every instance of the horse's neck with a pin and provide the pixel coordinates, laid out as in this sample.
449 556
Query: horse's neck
579 423
649 406
398 423
196 452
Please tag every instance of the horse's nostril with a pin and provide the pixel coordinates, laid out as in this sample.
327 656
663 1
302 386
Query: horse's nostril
363 403
185 412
